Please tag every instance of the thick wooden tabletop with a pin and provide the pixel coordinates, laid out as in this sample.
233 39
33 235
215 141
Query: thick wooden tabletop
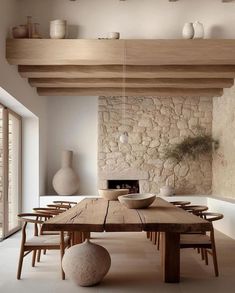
98 215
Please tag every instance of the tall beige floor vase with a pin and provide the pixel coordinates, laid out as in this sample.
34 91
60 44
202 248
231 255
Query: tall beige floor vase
65 181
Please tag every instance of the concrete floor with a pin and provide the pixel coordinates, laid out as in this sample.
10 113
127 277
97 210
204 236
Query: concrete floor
135 268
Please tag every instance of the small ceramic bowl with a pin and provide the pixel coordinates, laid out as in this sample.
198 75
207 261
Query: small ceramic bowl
137 200
112 194
114 35
20 32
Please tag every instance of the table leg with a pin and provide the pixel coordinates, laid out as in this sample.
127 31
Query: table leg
77 237
171 257
85 235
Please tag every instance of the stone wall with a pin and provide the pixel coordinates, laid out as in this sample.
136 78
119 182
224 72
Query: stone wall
224 157
152 124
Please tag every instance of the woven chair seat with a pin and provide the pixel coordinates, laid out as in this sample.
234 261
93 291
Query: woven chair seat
45 240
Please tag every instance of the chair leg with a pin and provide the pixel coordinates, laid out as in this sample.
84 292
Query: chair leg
206 257
44 251
34 258
148 234
20 264
215 262
155 238
158 240
202 253
39 255
62 247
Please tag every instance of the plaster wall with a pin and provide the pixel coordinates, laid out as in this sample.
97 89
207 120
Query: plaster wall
224 157
133 18
16 94
72 124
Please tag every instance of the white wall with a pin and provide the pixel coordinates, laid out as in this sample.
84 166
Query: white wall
134 18
16 93
224 158
72 124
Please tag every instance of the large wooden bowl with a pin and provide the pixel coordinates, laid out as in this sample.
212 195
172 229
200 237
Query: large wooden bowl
112 194
137 200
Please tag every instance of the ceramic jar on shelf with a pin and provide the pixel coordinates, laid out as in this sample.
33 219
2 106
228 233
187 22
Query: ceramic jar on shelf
58 29
198 30
193 30
188 30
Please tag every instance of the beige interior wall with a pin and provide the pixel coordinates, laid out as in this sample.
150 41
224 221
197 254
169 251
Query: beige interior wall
153 124
134 19
224 157
17 94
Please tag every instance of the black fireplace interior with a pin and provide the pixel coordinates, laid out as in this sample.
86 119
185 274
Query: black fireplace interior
132 185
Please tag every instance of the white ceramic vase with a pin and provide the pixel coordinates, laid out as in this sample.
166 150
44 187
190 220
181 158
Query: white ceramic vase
167 190
65 181
86 264
58 29
188 31
198 30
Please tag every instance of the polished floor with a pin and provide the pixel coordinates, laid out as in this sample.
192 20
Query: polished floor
135 268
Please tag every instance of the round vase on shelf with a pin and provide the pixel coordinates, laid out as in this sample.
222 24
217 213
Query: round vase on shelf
86 264
198 30
188 31
65 181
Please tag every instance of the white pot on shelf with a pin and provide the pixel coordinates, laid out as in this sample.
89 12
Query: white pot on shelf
58 29
198 30
188 30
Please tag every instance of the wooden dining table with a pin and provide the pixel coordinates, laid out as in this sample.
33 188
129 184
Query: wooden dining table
99 215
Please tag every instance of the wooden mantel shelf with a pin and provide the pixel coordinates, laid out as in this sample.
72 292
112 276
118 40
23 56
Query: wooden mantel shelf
104 52
87 67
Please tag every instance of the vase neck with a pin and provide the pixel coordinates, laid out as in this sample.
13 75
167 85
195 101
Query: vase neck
66 159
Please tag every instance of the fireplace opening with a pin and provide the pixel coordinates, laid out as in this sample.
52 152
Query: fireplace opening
132 185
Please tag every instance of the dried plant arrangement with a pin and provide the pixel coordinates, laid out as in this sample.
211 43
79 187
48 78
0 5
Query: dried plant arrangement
191 147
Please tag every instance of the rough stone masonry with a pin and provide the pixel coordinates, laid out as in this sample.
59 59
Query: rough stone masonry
153 124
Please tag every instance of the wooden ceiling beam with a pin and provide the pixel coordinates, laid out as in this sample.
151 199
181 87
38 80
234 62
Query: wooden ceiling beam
130 83
160 92
116 71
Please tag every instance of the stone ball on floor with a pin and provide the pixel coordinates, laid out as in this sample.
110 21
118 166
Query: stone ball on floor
86 264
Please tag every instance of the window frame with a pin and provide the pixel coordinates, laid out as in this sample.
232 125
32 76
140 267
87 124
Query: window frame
5 136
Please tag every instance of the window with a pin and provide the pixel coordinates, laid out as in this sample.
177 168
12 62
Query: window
10 171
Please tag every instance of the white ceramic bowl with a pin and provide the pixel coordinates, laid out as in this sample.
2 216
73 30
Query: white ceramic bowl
112 194
137 200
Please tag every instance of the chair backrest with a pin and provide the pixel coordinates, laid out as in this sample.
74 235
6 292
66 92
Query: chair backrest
66 202
211 217
49 211
63 207
195 209
180 203
34 218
